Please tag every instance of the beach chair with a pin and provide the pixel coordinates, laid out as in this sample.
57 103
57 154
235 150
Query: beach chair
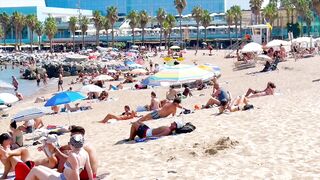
244 65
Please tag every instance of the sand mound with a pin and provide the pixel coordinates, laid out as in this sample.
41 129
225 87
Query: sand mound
222 144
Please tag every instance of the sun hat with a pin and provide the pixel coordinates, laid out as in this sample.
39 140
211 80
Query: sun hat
77 141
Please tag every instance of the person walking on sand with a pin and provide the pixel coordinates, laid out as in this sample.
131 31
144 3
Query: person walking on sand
60 82
15 83
45 78
38 78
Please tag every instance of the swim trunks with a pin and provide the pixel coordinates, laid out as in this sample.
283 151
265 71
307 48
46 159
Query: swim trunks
155 114
142 131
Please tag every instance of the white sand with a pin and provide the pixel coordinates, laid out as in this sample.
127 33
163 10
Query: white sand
279 139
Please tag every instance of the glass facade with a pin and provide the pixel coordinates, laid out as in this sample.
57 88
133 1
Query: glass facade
151 6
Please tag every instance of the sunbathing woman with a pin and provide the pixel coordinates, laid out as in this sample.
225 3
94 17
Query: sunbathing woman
239 103
126 115
256 93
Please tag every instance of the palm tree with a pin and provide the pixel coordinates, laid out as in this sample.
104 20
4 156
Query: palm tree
166 29
237 14
133 18
18 22
197 13
112 14
98 23
308 19
1 32
161 16
5 23
39 31
171 21
289 7
270 12
106 26
180 6
84 22
143 21
73 27
229 20
205 21
50 29
31 21
255 6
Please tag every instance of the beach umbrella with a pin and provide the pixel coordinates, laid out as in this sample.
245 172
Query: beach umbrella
174 47
64 98
138 71
30 113
264 57
179 74
209 67
252 47
8 98
308 41
5 85
91 88
278 43
134 47
103 77
1 102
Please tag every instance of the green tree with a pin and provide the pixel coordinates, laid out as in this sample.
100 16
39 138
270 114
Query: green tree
197 13
106 26
229 20
316 6
18 21
84 23
31 21
308 19
73 28
180 6
255 6
112 14
237 14
289 7
39 31
133 18
50 29
171 21
270 12
5 24
143 21
205 21
161 16
166 29
98 23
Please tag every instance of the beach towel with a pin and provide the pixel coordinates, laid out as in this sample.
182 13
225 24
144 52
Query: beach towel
146 139
141 109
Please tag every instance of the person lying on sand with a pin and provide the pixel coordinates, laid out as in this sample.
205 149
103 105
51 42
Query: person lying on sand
220 97
241 103
165 111
126 115
77 107
155 102
103 96
256 93
62 154
8 157
77 161
142 131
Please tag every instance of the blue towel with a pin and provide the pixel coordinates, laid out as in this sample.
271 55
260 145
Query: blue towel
146 139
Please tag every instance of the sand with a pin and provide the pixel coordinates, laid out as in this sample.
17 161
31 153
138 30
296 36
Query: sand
279 139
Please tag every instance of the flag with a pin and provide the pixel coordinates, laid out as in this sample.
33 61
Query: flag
269 26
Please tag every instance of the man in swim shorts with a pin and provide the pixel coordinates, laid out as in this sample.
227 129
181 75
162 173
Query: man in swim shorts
220 97
165 111
142 131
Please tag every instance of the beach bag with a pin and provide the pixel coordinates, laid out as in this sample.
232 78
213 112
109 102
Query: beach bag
187 128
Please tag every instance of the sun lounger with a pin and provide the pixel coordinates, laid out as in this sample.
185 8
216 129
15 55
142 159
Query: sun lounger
244 65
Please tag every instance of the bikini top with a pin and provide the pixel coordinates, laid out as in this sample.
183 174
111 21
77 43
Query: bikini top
67 165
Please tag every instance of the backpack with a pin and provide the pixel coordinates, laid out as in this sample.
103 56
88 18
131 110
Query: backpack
187 128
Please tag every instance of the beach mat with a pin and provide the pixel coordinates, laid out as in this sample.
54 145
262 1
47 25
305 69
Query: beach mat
11 175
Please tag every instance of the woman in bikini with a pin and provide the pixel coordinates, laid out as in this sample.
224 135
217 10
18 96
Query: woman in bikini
78 159
126 115
256 93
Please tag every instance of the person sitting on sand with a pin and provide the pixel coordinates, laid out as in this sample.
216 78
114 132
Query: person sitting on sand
220 97
77 160
28 126
171 94
165 111
103 96
9 158
51 160
38 123
126 115
155 102
17 136
187 91
257 93
62 154
143 131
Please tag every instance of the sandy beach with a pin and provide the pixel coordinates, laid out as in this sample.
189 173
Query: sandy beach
278 139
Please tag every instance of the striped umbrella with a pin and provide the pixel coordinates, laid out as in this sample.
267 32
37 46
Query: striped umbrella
209 67
30 113
179 74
